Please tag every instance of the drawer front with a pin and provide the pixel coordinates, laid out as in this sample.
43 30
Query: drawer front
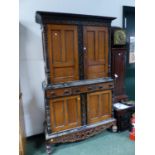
83 89
78 90
59 92
103 86
91 88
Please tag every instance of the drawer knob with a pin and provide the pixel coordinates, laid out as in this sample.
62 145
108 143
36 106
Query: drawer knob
66 92
100 87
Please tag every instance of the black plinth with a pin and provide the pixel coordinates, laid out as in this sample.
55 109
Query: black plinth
123 118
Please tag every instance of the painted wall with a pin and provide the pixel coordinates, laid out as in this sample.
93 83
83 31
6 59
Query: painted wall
31 58
130 68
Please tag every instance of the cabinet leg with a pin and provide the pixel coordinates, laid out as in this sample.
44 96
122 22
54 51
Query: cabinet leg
48 149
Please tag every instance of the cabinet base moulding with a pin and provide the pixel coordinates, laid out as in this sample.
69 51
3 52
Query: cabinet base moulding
81 133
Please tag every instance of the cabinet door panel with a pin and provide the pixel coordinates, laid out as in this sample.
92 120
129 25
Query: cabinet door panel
104 104
72 109
98 106
90 45
59 113
101 46
96 52
93 108
63 53
65 113
56 46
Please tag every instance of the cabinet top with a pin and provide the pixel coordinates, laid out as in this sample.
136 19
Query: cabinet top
69 18
77 83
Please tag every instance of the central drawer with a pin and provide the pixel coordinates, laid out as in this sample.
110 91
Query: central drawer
83 89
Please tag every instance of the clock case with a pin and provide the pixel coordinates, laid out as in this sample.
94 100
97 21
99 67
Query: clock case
118 68
113 31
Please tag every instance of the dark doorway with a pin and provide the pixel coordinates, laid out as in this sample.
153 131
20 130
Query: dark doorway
129 26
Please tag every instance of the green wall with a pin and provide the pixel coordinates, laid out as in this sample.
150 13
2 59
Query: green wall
130 81
129 14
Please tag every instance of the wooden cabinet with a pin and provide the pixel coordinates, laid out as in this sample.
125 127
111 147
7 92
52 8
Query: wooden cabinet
95 52
77 89
63 52
65 113
98 106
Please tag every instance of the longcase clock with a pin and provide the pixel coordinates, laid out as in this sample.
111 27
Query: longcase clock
118 61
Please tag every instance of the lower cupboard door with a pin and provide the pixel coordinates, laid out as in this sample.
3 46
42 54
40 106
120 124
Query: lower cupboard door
99 106
65 113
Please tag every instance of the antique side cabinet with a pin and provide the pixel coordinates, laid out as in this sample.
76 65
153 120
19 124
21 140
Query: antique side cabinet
78 89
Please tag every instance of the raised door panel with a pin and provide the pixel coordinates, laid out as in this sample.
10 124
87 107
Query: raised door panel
63 53
65 113
98 106
95 52
119 71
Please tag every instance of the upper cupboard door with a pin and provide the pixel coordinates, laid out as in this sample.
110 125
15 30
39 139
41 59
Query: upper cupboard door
96 52
63 53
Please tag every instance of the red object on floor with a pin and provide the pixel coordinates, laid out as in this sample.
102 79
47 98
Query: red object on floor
132 133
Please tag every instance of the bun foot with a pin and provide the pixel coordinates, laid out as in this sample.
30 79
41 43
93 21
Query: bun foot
48 149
